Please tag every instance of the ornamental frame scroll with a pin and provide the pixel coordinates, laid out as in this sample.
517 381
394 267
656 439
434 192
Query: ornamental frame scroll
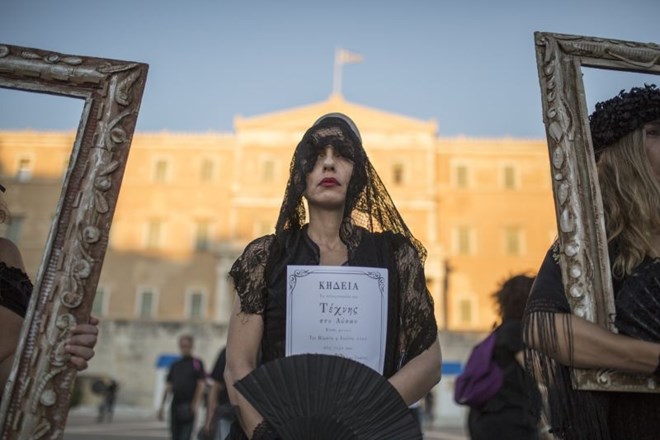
583 252
35 402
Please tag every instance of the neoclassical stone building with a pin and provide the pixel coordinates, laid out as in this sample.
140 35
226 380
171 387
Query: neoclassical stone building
191 201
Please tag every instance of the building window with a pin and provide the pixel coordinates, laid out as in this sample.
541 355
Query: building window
461 176
99 307
465 311
509 177
513 241
160 170
202 236
154 232
146 304
24 172
463 240
196 304
268 171
397 173
206 172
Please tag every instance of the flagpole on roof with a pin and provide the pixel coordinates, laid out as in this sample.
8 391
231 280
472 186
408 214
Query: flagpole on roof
336 78
342 56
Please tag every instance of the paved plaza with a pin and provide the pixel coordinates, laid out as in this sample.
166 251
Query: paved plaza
130 423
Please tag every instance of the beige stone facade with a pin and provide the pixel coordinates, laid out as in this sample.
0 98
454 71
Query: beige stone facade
190 202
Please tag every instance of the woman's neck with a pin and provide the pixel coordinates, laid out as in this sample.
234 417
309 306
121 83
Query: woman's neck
324 227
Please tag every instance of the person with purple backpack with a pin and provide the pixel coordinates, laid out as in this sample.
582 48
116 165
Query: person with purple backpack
494 383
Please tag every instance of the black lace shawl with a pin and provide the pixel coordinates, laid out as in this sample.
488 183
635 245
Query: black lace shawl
15 289
585 415
411 322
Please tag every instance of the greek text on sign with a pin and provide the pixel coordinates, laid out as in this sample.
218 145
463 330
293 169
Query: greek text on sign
337 310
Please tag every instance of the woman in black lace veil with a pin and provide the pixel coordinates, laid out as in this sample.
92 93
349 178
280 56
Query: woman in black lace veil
625 131
15 293
352 221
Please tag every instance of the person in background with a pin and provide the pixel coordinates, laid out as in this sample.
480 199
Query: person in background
107 406
185 383
510 412
220 414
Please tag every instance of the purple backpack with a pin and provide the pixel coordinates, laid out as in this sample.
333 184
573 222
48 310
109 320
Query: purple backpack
482 377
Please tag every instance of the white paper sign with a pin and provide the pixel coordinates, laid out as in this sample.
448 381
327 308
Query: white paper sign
337 310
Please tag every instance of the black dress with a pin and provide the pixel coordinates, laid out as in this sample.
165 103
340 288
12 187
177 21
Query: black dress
411 322
598 415
510 413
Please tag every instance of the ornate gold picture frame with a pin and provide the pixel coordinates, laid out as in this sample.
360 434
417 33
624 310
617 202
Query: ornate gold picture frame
584 256
35 402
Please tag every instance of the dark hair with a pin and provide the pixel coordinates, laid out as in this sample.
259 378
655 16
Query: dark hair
511 297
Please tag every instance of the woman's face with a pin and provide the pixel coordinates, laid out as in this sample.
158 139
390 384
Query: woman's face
328 181
652 146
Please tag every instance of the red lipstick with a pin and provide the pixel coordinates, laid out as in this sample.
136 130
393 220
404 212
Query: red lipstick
329 181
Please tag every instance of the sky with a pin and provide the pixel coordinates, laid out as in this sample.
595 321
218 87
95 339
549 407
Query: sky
469 65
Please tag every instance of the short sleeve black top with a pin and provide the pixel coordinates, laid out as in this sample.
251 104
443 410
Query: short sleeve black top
183 377
15 289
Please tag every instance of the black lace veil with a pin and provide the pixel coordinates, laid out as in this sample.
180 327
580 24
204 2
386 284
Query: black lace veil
368 204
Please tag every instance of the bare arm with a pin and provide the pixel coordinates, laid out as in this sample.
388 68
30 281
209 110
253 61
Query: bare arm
419 375
199 393
10 329
243 340
166 393
212 403
595 347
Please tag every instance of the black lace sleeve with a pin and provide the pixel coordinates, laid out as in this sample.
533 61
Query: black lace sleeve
573 415
15 289
418 329
247 274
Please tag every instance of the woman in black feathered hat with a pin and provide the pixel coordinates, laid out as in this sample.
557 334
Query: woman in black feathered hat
625 131
352 221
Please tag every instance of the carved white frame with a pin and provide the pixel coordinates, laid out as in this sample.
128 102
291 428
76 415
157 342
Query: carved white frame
35 402
583 242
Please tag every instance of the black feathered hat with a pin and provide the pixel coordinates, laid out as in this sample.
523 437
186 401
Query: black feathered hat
623 114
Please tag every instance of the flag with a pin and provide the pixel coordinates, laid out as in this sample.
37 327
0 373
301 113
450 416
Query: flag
343 56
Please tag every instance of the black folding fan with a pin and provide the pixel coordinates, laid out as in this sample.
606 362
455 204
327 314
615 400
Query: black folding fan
320 397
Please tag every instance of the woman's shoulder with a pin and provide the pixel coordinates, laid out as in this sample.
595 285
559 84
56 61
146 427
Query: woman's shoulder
255 253
10 256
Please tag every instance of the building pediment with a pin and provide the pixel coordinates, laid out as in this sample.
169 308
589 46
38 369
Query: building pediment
295 121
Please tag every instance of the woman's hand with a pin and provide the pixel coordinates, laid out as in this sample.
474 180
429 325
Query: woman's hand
81 343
